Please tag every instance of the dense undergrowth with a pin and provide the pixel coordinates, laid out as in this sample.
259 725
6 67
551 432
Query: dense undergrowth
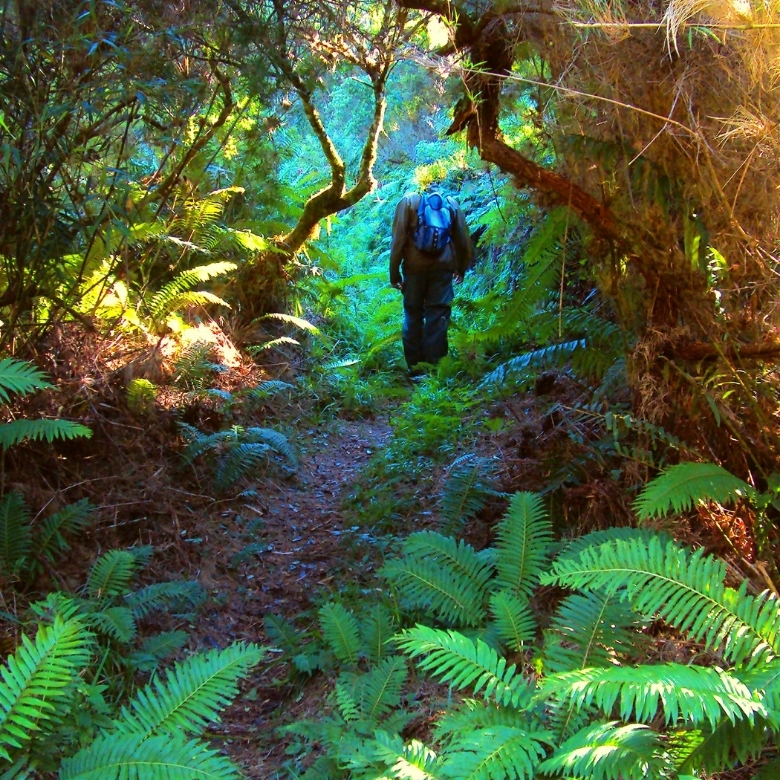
559 559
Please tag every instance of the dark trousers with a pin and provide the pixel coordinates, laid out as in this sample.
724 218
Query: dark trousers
427 308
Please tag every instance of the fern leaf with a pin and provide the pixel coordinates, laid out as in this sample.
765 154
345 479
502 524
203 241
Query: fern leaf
18 431
465 491
69 519
513 619
268 389
37 681
590 629
20 377
462 662
191 695
15 534
411 761
111 574
164 301
458 556
131 757
524 537
156 648
370 696
471 715
163 595
376 632
282 633
291 320
698 695
116 622
610 751
681 487
341 632
522 370
496 752
686 589
426 584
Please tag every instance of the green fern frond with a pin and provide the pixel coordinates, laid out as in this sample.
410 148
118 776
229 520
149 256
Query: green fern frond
473 715
463 662
523 369
268 389
164 595
682 486
686 589
341 632
372 695
513 619
697 695
111 574
466 490
717 750
50 538
291 320
455 554
411 761
165 300
282 633
38 680
21 378
115 622
426 584
542 259
610 751
132 757
496 752
191 695
593 539
15 534
377 628
18 431
590 629
156 648
524 536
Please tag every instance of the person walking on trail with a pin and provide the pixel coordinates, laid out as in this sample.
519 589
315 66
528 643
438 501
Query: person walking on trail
430 246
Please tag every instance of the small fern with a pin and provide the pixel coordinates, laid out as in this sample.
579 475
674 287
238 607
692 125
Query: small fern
524 537
682 486
341 632
15 532
111 574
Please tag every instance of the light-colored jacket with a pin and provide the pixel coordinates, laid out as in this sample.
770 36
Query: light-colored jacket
457 256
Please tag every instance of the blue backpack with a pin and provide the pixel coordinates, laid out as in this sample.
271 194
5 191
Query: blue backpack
434 224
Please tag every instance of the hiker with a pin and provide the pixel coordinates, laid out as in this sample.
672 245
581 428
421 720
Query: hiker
430 246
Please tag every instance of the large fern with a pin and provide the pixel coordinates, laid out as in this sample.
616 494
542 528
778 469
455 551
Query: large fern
696 695
191 695
463 662
38 681
523 540
686 589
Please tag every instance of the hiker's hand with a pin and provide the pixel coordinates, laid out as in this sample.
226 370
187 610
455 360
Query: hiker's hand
398 286
458 278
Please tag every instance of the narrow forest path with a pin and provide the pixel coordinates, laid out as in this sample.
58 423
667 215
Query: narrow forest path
299 543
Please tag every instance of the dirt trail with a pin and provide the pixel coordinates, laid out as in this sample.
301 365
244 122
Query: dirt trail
299 547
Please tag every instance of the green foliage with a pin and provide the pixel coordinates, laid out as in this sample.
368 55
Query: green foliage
685 588
37 682
19 539
192 694
524 536
467 488
237 452
42 683
341 632
22 378
682 486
